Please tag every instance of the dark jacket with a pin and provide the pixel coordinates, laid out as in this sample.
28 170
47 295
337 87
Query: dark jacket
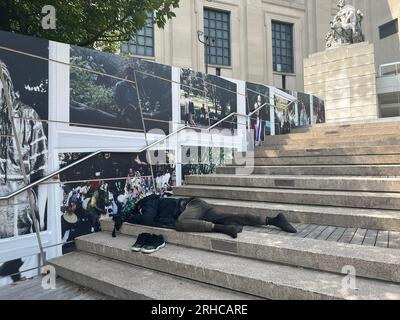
158 212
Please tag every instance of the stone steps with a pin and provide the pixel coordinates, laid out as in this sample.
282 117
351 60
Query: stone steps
376 126
370 262
364 134
315 144
258 278
320 160
321 170
262 152
339 185
320 215
332 142
372 184
369 200
129 282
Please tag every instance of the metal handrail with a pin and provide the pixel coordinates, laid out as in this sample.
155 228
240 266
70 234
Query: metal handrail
382 66
48 177
119 150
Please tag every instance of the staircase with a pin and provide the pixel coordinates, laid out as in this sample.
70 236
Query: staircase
340 187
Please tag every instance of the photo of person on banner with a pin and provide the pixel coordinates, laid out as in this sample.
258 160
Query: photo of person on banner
257 104
30 134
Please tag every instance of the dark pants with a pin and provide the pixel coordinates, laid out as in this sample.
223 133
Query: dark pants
199 216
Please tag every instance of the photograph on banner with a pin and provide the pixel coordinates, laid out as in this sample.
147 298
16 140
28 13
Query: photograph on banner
207 99
292 109
284 115
318 110
104 92
203 160
26 88
109 184
304 109
257 95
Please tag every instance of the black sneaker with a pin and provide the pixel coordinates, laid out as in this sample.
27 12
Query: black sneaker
140 241
153 244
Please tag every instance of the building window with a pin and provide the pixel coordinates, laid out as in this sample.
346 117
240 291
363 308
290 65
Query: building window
389 29
143 42
282 46
217 31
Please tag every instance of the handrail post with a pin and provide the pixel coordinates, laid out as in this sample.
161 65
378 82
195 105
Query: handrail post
145 132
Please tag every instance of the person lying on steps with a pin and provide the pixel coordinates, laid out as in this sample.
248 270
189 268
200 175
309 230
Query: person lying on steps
196 215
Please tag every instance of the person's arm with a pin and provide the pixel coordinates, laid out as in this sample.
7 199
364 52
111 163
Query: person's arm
148 214
93 202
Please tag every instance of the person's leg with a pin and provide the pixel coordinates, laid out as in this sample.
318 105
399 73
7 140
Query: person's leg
245 219
195 225
94 220
248 219
192 220
281 222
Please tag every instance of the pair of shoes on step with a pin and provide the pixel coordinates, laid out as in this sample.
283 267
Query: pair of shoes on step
148 243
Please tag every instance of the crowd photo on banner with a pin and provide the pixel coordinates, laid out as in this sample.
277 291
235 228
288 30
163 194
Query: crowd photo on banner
107 185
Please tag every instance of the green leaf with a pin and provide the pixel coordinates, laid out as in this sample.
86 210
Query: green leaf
86 23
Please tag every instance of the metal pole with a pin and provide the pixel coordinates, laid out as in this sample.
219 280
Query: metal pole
21 163
207 55
145 132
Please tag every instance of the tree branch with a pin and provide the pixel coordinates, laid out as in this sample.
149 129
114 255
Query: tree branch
97 36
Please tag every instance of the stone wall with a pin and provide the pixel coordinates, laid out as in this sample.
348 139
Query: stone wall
345 77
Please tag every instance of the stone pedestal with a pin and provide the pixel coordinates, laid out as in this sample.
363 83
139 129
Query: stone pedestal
345 77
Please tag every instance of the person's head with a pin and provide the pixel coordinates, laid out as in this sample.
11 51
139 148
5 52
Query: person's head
259 100
103 190
7 79
130 172
72 206
186 95
129 74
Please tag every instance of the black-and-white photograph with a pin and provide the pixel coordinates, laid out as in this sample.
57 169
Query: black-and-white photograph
114 92
207 99
25 87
